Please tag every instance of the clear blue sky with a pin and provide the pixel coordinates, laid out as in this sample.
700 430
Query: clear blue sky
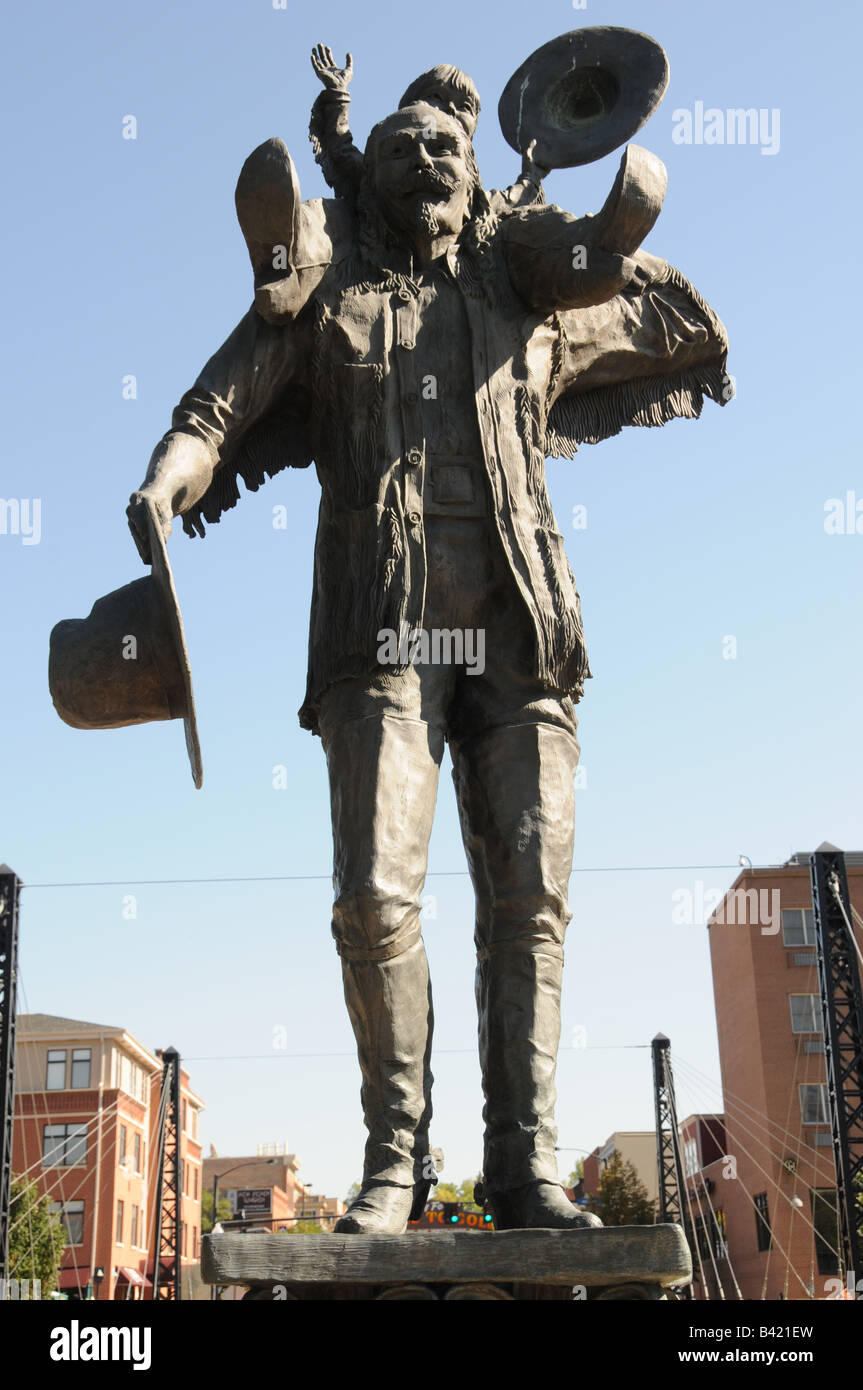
125 257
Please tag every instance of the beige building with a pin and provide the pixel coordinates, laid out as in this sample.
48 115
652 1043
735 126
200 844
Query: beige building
636 1146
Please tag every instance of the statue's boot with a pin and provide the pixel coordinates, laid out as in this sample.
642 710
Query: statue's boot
390 1008
518 998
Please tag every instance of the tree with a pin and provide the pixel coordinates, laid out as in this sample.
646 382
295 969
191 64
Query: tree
456 1192
622 1199
576 1175
305 1227
37 1236
226 1211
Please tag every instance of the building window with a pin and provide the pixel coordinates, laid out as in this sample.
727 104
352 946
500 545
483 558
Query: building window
185 1113
64 1146
805 1013
813 1105
81 1059
185 1177
762 1221
193 1117
690 1157
195 1193
720 1237
55 1073
137 1150
798 926
183 1246
128 1076
133 1233
119 1231
121 1147
73 1220
825 1220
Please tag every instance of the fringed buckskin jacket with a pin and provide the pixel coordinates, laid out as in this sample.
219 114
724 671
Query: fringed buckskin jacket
338 386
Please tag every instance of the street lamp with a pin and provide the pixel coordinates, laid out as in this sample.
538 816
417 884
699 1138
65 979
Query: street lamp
217 1177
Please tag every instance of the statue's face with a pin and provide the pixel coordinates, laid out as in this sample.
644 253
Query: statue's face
421 177
457 104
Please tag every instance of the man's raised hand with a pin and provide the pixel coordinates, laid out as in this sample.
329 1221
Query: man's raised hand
142 505
335 78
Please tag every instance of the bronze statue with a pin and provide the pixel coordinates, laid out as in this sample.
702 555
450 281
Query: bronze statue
428 347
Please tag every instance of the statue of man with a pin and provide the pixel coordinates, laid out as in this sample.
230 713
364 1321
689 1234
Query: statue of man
442 352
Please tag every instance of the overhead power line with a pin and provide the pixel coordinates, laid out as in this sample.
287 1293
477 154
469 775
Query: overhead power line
434 873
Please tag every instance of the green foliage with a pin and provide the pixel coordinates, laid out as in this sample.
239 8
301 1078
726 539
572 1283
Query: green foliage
306 1227
456 1192
576 1175
37 1236
622 1199
225 1210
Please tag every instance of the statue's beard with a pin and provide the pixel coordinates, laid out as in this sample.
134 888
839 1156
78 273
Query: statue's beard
427 218
424 199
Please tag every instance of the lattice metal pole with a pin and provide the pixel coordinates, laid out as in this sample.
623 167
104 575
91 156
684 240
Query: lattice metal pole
842 1011
10 892
669 1162
168 1194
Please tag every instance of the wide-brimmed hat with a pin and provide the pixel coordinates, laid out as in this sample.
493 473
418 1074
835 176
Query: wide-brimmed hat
583 94
127 662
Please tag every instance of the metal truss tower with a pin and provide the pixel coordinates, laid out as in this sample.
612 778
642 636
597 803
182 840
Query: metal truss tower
842 1011
10 893
669 1162
166 1265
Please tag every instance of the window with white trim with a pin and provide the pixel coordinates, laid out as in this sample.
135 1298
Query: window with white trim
81 1063
805 1013
798 926
813 1105
64 1146
73 1220
55 1071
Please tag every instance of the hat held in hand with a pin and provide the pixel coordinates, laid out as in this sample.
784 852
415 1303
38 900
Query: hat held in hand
127 663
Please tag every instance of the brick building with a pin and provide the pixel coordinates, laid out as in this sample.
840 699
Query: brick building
86 1106
775 1182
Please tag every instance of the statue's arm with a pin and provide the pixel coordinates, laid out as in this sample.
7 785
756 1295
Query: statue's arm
558 261
661 329
329 128
238 385
554 261
340 160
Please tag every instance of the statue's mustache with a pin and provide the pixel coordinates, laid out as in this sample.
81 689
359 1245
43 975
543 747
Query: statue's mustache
429 181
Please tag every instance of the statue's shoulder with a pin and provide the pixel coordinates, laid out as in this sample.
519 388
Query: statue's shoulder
327 232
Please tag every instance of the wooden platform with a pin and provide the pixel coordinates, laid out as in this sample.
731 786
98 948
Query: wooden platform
626 1262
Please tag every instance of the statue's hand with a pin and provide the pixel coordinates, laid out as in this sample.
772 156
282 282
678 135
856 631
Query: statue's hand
142 504
529 168
333 77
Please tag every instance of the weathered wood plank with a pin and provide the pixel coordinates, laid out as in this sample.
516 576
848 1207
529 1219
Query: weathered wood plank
592 1257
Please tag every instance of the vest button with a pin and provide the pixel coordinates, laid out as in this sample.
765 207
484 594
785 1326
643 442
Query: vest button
405 295
415 456
414 518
